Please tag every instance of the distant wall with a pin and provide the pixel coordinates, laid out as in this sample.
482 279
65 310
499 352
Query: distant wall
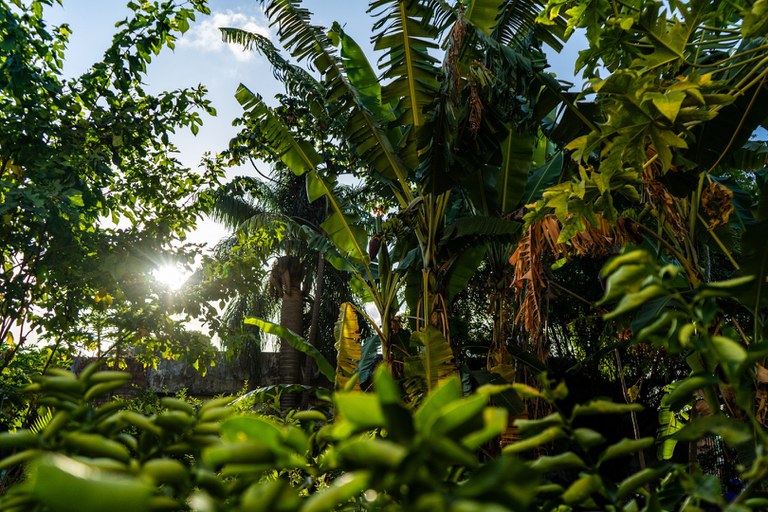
225 378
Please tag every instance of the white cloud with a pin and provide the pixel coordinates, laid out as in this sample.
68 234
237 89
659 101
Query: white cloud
206 35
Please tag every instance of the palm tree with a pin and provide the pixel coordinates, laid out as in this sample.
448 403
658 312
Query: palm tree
265 220
277 207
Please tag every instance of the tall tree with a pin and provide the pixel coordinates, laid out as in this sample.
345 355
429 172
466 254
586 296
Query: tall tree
280 201
266 223
75 153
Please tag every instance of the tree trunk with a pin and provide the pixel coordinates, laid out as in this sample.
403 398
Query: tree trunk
309 365
287 278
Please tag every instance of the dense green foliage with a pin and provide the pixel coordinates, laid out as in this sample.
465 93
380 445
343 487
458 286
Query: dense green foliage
91 192
570 286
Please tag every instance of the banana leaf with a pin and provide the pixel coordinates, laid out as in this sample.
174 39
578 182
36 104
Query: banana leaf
348 350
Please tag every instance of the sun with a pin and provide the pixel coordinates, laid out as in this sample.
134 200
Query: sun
172 276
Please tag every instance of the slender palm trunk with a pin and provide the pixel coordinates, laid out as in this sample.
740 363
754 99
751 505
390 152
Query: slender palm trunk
309 365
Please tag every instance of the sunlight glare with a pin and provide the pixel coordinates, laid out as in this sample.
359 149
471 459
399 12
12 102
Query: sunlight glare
171 276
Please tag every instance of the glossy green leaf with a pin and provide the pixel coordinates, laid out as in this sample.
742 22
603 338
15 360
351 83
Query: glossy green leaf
530 426
682 392
62 484
582 489
494 424
639 479
597 407
457 414
345 487
360 409
626 447
367 453
634 300
542 438
440 397
361 75
243 428
669 423
588 438
567 460
728 349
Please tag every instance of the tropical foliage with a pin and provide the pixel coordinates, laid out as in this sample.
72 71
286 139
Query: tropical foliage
563 292
92 195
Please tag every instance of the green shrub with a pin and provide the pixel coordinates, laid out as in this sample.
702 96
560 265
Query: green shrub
376 454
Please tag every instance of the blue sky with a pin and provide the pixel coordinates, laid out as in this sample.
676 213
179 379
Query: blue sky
201 57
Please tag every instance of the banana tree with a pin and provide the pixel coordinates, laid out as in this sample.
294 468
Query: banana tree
430 135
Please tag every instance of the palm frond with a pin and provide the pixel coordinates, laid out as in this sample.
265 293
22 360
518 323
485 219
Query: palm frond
518 17
297 81
232 210
41 422
223 247
300 37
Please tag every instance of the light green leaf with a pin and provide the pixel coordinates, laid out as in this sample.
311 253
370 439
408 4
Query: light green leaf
547 436
494 424
567 460
62 484
668 104
634 300
756 20
298 155
639 479
345 487
728 349
360 409
436 357
430 408
732 431
582 489
366 453
588 438
626 447
683 390
598 407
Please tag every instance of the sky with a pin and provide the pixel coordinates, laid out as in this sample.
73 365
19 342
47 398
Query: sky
200 57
